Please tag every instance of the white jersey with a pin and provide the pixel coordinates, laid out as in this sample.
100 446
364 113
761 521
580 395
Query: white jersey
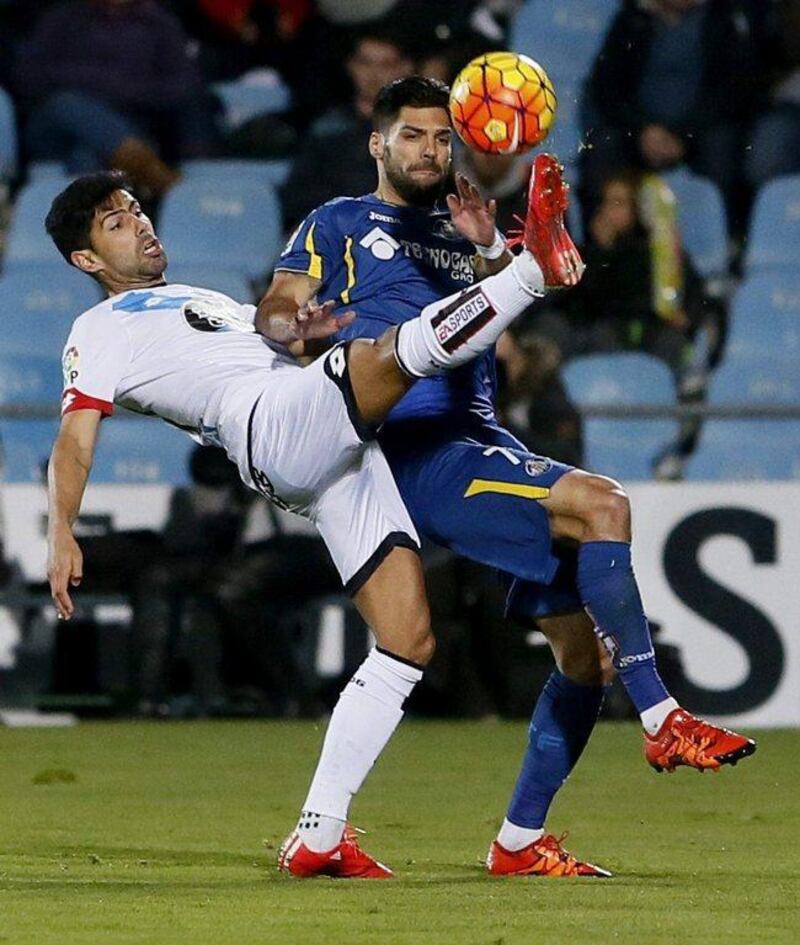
193 357
188 355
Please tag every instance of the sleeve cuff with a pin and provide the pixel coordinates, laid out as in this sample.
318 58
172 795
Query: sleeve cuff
73 399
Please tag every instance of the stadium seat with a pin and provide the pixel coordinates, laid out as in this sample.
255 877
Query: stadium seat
27 379
266 173
232 284
566 136
701 216
764 320
38 305
38 170
25 447
27 240
243 100
624 449
564 37
745 450
141 450
230 224
774 237
8 137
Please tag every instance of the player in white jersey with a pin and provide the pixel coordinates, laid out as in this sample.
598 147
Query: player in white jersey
301 436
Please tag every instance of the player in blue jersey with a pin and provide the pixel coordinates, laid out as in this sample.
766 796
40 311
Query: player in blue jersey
560 535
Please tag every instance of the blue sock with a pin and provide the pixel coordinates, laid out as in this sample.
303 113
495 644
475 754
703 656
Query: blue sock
609 592
560 727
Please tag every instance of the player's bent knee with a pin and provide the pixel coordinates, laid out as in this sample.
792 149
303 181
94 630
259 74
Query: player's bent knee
607 510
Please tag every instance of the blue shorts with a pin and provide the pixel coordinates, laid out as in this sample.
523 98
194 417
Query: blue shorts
478 494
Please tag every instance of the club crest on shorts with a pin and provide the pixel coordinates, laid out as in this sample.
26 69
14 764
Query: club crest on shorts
537 466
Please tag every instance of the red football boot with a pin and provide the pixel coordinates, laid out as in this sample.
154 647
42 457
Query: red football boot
345 861
683 739
543 857
544 234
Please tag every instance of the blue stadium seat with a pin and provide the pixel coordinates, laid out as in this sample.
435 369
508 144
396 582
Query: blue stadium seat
227 224
232 284
774 238
746 450
27 240
701 216
764 321
624 449
141 450
563 36
566 136
29 379
8 137
755 380
245 100
25 446
38 305
266 173
38 170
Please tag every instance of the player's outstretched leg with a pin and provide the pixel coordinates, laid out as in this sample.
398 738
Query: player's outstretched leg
562 721
595 511
370 708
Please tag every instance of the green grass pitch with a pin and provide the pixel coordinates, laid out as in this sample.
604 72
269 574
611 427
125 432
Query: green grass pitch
153 834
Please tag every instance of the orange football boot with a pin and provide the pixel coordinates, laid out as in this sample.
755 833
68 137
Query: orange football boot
683 739
345 861
543 857
543 232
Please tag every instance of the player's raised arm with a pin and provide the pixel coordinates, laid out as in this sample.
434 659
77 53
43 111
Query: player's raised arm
70 463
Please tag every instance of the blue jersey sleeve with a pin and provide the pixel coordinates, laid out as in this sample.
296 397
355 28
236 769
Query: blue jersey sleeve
315 247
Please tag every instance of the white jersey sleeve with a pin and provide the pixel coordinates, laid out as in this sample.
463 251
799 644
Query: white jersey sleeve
96 357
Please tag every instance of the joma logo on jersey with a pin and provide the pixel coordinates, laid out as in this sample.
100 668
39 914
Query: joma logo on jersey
459 321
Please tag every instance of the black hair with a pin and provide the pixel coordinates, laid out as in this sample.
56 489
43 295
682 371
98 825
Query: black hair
69 221
415 92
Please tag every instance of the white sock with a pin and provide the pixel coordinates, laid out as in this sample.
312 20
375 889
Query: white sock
368 711
320 833
513 838
452 331
653 718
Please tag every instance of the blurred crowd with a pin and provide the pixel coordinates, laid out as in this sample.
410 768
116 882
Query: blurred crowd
709 85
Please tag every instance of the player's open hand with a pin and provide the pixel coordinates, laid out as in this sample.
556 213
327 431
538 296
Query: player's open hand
472 216
64 569
315 320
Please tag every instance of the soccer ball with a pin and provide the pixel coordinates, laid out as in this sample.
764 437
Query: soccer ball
502 103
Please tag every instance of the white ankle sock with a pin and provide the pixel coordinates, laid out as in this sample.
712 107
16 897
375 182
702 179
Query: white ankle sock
513 838
364 719
452 331
653 718
318 832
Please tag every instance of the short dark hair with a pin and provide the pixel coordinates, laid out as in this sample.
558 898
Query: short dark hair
415 92
69 221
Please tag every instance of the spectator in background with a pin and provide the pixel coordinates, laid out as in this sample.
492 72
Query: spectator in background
776 137
636 293
111 83
336 141
532 401
677 81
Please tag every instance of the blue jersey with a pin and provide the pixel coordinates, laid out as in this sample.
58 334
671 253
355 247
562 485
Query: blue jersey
387 263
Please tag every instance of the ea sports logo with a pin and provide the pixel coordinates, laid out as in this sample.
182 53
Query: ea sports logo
380 244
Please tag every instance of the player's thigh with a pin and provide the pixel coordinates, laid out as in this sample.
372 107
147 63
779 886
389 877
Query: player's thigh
305 432
584 506
361 517
484 502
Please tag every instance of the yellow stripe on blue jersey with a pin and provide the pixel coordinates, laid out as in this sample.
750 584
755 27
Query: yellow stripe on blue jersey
481 486
351 269
315 260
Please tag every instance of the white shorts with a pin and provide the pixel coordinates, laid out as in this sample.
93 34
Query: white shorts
308 451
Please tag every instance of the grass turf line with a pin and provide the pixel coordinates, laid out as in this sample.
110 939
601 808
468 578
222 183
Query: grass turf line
158 841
